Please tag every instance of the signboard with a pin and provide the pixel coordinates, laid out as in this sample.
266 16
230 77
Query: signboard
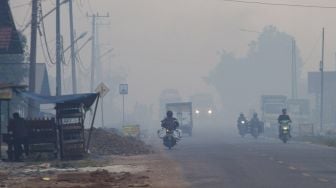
102 89
131 130
6 94
123 89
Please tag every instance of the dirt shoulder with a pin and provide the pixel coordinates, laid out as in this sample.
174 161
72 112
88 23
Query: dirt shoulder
150 170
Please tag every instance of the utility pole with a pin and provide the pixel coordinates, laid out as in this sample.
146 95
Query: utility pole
72 46
294 71
322 83
93 51
58 49
94 48
32 58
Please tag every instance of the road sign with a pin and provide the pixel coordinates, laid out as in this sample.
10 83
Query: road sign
123 89
102 89
6 94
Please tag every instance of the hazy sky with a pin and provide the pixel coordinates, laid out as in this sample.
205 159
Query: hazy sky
174 43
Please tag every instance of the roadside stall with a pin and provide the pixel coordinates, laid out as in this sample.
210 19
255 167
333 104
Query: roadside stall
67 130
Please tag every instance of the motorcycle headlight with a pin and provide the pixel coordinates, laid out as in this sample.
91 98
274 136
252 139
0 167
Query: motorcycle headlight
285 128
209 111
243 122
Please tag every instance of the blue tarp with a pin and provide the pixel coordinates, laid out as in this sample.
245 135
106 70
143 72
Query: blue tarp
86 98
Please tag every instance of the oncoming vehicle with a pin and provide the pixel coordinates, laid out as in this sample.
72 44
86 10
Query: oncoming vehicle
284 129
203 105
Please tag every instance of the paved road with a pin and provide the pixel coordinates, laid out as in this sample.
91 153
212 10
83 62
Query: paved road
219 160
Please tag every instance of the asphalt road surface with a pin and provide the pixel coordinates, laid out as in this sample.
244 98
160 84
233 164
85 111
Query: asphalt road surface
223 160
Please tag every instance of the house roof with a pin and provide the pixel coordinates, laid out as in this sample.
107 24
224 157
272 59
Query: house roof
10 42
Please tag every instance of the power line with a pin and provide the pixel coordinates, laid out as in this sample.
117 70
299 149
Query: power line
281 4
45 38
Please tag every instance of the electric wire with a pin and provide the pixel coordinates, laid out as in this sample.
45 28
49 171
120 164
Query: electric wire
45 37
281 4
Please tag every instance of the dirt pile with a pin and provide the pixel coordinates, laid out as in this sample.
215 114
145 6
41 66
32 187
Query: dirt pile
107 142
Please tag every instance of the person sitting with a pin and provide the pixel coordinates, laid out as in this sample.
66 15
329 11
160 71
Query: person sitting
284 117
170 123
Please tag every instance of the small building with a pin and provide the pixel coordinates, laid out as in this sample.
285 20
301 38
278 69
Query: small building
17 74
329 101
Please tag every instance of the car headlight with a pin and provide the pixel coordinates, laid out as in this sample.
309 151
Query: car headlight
197 111
209 111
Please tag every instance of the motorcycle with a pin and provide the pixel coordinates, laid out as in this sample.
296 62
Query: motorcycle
255 131
169 137
242 127
284 131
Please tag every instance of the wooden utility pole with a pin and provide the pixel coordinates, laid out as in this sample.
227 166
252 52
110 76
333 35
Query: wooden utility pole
32 57
94 49
72 46
58 49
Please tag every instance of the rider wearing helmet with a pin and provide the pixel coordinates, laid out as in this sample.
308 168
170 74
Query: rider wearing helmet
284 117
241 118
254 122
170 122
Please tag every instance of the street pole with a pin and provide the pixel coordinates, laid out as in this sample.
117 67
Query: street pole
72 45
95 48
102 111
123 110
32 58
322 83
294 72
93 51
58 49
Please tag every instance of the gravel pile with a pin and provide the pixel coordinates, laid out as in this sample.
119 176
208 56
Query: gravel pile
107 142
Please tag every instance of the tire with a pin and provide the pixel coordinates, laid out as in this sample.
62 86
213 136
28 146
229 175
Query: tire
285 139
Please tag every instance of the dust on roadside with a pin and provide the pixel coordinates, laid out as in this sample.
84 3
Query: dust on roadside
132 164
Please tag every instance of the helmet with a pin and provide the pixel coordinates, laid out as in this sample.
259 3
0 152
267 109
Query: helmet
241 115
284 111
169 113
255 114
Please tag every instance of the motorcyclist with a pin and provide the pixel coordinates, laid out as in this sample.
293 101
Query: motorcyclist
254 122
284 117
170 123
241 118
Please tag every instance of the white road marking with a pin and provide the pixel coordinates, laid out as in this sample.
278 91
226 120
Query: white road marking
322 180
306 174
291 168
